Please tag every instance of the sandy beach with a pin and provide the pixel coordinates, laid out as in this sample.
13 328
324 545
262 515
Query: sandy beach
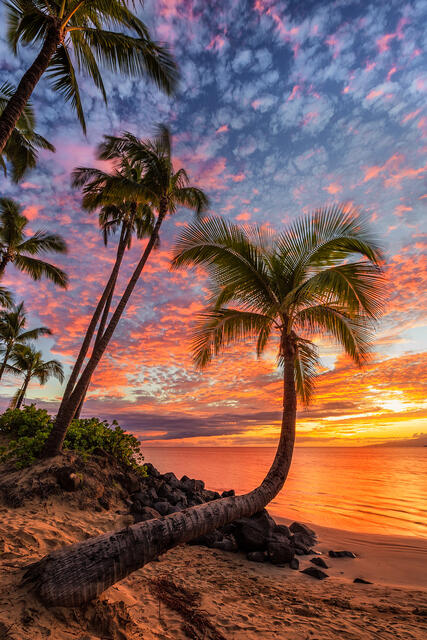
238 598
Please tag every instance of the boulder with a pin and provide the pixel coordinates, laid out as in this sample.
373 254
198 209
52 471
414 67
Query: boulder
301 543
361 581
191 486
298 527
228 494
226 544
171 480
210 495
256 556
283 529
341 554
314 572
147 513
319 562
208 540
252 533
279 552
162 508
151 470
294 564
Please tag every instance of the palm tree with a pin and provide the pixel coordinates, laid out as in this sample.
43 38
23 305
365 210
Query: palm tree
12 332
21 148
164 190
27 361
19 250
303 281
76 32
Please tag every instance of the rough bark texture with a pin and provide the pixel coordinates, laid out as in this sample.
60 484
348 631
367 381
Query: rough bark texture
68 409
80 572
4 363
22 393
14 108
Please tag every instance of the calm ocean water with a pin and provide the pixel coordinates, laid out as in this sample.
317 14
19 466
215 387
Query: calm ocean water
376 490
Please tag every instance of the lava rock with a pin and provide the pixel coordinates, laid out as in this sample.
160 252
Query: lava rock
210 495
191 486
252 533
319 562
226 544
283 529
315 573
294 564
341 554
147 514
361 581
256 556
298 527
208 540
171 480
151 470
228 494
280 553
162 508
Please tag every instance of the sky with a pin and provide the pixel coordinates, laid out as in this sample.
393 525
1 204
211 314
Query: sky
283 107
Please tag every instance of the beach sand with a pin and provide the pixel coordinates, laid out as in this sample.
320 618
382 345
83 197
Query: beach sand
240 599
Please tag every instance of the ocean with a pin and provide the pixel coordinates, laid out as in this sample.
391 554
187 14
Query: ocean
366 489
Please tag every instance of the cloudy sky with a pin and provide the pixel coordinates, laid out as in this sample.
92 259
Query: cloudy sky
282 107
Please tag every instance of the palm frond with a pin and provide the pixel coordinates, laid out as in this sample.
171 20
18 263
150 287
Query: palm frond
39 268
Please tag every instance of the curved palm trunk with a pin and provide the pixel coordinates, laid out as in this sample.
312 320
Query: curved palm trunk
94 320
22 392
14 108
63 419
78 573
4 363
3 262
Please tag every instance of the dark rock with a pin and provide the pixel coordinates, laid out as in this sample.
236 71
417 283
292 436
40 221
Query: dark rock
303 541
68 480
147 514
207 540
315 573
341 554
361 581
151 470
210 495
299 552
298 527
162 508
228 494
171 495
131 482
256 556
279 553
194 500
252 533
171 480
226 544
294 564
319 562
173 509
283 529
191 486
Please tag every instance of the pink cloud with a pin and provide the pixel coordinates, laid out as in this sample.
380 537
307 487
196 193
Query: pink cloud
222 129
383 43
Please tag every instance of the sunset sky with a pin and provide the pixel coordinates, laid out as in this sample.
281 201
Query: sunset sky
281 109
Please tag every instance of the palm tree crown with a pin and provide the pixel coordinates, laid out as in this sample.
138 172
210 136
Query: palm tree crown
20 250
22 146
27 361
301 282
13 331
81 35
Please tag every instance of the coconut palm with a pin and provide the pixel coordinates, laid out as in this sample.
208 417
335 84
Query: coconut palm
20 151
13 333
19 250
74 36
164 189
295 284
27 361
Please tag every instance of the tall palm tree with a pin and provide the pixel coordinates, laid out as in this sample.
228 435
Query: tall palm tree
21 148
27 361
164 190
17 249
13 333
304 281
76 33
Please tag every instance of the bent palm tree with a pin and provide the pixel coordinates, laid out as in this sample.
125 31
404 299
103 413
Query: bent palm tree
12 332
161 187
306 278
27 361
19 250
73 32
21 148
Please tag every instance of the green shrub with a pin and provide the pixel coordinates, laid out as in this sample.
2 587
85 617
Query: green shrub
29 428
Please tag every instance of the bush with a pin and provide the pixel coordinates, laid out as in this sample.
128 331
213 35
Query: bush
30 427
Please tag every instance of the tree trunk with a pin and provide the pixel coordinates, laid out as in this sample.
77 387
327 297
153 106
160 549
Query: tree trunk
4 363
3 263
22 393
15 106
78 573
63 419
94 321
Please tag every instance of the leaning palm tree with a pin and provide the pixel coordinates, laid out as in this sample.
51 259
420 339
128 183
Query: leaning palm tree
76 33
19 250
295 284
13 332
27 361
160 186
21 149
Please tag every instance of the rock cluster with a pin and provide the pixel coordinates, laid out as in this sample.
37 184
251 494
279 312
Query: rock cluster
258 536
